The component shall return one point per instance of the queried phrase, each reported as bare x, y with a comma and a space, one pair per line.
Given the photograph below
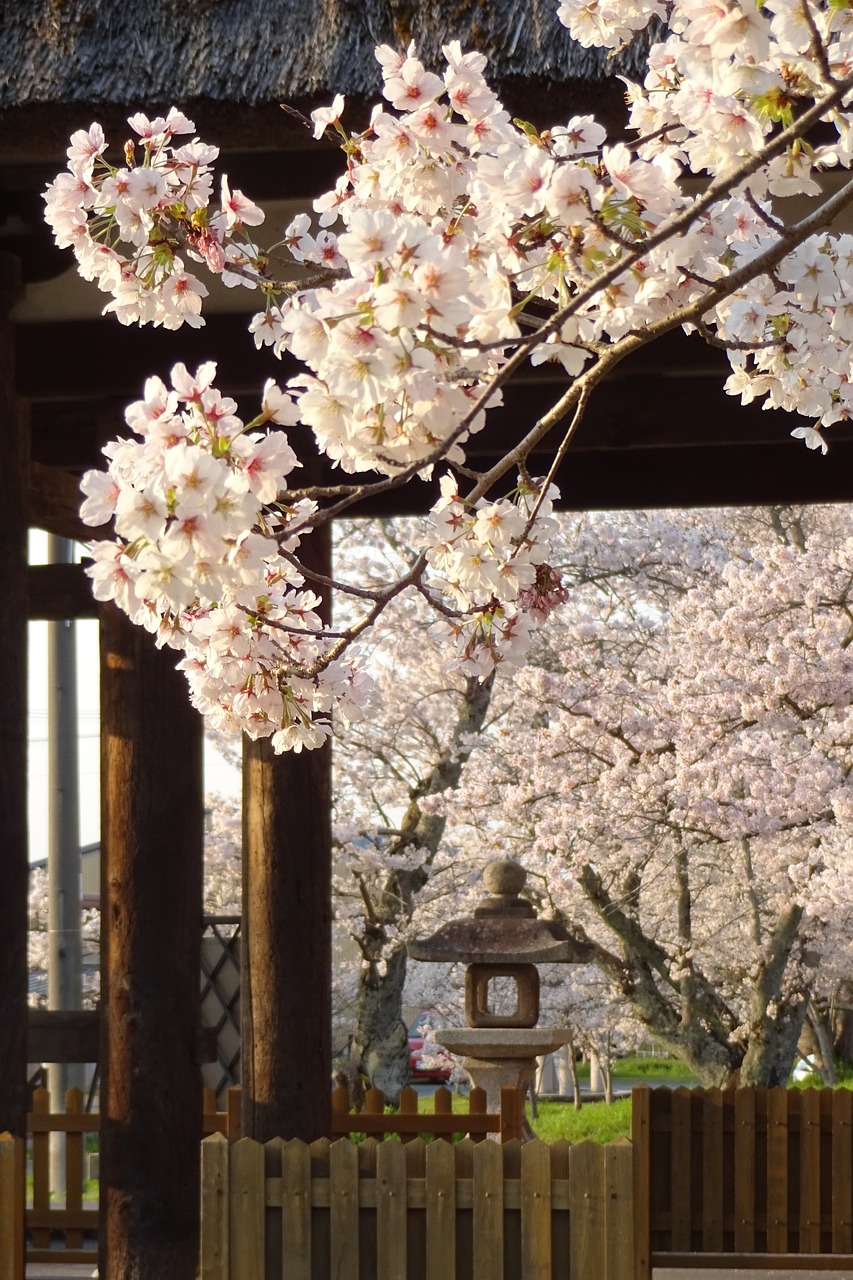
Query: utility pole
64, 970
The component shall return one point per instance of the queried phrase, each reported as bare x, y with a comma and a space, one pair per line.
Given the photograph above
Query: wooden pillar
287, 942
14, 862
151, 886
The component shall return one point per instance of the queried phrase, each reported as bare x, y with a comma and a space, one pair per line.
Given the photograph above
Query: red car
440, 1067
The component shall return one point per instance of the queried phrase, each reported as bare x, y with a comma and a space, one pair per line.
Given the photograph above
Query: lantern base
500, 1059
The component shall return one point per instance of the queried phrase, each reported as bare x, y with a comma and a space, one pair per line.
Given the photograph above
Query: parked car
434, 1067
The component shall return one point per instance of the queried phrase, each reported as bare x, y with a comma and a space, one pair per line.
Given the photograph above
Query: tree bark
286, 979
14, 862
151, 888
380, 1045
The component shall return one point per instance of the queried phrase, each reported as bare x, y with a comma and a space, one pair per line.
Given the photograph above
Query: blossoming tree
678, 771
456, 246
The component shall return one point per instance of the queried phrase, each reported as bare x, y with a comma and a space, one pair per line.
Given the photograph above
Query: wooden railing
743, 1176
44, 1218
407, 1122
416, 1210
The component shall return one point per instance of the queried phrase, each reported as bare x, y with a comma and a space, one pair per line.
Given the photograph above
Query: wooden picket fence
44, 1219
416, 1210
742, 1177
407, 1122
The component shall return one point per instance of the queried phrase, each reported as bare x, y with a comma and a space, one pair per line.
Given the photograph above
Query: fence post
641, 1114
11, 1207
215, 1208
512, 1113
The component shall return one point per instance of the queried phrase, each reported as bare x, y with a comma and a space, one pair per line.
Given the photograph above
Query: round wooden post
14, 863
151, 883
286, 966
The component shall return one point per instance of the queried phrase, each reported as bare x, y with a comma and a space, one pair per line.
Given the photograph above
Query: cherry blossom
456, 246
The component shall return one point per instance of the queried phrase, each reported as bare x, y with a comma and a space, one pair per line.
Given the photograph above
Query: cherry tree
456, 246
678, 772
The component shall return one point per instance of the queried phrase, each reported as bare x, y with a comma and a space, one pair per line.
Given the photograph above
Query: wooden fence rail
45, 1219
416, 1210
743, 1176
407, 1122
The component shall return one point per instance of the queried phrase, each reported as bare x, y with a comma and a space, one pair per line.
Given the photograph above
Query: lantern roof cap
503, 929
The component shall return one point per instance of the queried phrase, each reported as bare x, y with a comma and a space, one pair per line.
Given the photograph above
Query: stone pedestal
499, 1058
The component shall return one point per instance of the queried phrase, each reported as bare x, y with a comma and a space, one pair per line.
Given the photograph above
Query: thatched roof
261, 51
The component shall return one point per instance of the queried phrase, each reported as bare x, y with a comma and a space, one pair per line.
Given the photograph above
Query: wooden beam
14, 864
60, 591
63, 1036
152, 832
286, 976
55, 500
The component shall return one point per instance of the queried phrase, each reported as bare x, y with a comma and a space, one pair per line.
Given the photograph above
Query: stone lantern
503, 939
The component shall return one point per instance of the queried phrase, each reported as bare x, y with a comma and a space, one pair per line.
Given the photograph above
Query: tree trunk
379, 1047
14, 862
286, 980
151, 890
380, 1044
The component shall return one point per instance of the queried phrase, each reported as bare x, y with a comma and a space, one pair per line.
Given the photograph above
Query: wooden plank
512, 1114
619, 1210
416, 1223
374, 1102
214, 1208
408, 1107
680, 1169
11, 1207
296, 1210
586, 1212
74, 1168
63, 1035
842, 1171
536, 1212
442, 1102
210, 1117
488, 1210
413, 1124
777, 1171
744, 1171
152, 856
234, 1113
391, 1211
463, 1156
810, 1171
784, 1267
60, 591
14, 469
440, 1211
343, 1209
712, 1170
41, 1167
477, 1103
55, 500
561, 1152
641, 1107
246, 1214
273, 1179
81, 1257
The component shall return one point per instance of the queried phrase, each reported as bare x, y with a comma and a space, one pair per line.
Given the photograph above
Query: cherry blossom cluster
492, 552
197, 559
459, 244
133, 227
728, 73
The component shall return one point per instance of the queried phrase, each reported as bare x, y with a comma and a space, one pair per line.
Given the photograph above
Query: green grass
595, 1122
649, 1068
